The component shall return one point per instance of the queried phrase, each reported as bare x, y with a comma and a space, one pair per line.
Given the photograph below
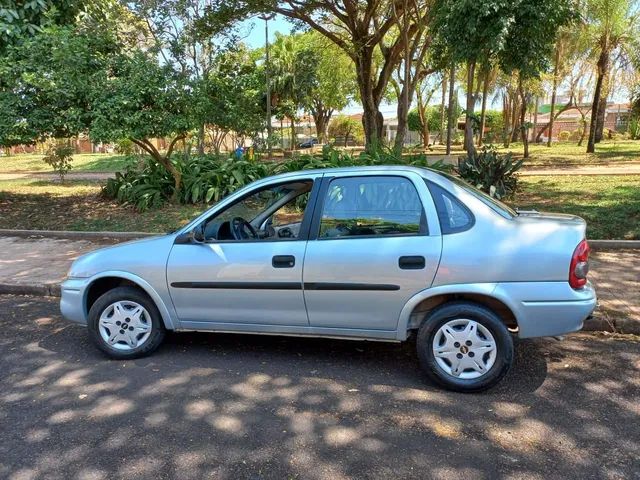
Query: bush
59, 157
210, 178
125, 147
491, 172
634, 128
564, 136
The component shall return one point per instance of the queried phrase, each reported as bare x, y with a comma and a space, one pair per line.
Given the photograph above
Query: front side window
371, 206
271, 213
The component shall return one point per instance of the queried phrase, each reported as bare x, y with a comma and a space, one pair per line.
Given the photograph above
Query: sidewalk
37, 266
619, 169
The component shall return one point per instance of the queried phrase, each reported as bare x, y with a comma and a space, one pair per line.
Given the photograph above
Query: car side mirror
195, 235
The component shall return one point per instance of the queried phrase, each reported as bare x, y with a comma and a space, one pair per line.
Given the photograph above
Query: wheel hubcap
125, 325
464, 349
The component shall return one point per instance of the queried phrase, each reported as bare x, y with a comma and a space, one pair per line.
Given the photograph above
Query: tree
230, 97
332, 83
20, 20
364, 30
471, 31
47, 83
610, 24
529, 45
176, 37
347, 127
139, 99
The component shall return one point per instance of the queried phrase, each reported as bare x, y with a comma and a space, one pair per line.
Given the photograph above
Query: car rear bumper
545, 309
72, 299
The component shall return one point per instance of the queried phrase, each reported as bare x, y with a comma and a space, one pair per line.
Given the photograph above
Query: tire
462, 333
142, 333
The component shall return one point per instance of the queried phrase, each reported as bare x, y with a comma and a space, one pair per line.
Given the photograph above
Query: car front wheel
124, 323
464, 347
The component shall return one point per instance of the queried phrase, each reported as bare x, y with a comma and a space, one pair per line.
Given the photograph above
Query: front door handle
283, 261
411, 262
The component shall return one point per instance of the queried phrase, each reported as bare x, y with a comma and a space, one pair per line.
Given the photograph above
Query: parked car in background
369, 253
308, 143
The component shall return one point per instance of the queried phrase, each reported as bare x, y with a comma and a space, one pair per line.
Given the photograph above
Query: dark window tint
453, 215
360, 206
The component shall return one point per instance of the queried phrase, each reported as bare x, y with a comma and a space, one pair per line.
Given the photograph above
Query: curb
81, 235
35, 289
618, 325
614, 244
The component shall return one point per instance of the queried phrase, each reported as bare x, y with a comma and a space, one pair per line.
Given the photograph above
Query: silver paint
522, 262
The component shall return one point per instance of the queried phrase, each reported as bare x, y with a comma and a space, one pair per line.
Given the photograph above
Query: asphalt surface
227, 406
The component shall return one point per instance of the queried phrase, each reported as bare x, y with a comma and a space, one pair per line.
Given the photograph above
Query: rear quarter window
453, 215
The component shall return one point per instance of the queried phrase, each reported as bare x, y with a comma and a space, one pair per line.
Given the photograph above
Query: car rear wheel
464, 347
124, 323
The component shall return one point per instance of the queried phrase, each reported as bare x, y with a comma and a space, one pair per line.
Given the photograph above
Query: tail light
579, 265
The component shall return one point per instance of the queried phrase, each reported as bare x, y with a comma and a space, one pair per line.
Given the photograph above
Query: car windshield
496, 205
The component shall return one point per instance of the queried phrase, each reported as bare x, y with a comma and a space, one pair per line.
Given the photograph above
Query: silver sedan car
374, 253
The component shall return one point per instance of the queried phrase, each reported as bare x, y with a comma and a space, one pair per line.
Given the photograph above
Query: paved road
225, 406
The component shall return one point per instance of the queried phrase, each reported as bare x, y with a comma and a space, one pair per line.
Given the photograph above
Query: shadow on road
231, 406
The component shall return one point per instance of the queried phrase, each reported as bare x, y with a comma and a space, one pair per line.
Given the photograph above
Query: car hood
134, 257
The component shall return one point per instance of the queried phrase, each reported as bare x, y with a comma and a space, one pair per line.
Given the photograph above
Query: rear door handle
283, 261
411, 262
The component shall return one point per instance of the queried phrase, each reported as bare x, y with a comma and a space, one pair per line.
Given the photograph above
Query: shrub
125, 146
210, 178
634, 128
59, 157
564, 136
491, 172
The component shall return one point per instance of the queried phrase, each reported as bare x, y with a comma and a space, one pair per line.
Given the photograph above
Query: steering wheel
239, 227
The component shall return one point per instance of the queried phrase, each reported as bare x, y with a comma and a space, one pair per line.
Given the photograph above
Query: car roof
422, 171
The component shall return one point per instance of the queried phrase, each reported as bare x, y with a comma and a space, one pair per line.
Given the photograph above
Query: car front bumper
72, 297
545, 309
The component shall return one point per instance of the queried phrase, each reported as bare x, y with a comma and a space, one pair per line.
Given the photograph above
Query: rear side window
453, 215
371, 206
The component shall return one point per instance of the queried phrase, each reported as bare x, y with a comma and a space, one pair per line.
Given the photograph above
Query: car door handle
283, 261
411, 262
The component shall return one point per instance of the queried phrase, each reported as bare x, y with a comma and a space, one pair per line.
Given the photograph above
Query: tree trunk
506, 117
523, 114
321, 117
164, 160
603, 62
468, 126
554, 93
452, 104
483, 111
602, 110
292, 119
398, 144
372, 119
201, 134
549, 124
442, 107
515, 127
584, 128
535, 118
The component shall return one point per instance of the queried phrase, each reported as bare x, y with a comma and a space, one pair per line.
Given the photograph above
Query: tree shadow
232, 406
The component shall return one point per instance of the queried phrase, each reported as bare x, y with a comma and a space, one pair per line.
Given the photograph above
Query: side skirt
291, 331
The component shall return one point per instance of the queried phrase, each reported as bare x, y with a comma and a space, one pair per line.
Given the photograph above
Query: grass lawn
86, 162
568, 153
77, 205
610, 204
